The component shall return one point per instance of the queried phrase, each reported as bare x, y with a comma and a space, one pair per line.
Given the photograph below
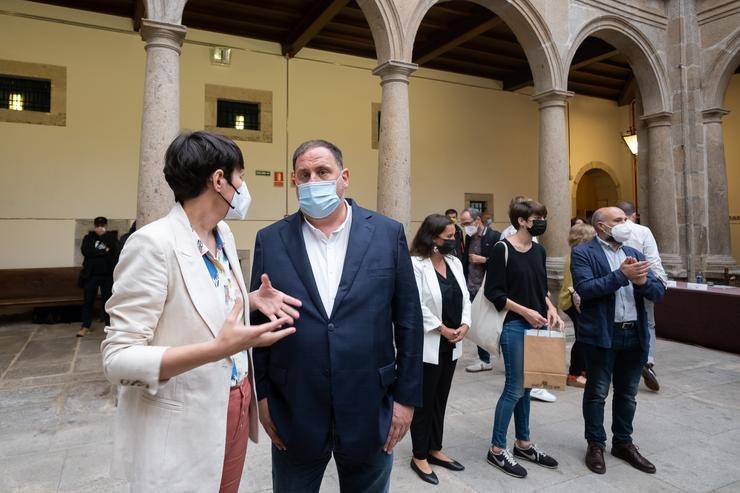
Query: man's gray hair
627, 207
597, 217
474, 213
313, 144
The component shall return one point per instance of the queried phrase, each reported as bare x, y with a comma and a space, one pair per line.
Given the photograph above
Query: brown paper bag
544, 359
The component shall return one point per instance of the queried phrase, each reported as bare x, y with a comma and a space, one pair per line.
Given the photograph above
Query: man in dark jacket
479, 241
99, 247
613, 281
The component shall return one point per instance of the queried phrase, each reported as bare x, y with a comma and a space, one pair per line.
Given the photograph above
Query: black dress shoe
429, 478
452, 465
629, 453
595, 458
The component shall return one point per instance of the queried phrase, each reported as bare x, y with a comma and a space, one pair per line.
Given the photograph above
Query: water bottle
699, 278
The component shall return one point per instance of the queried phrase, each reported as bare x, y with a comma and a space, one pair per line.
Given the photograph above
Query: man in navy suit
346, 383
613, 281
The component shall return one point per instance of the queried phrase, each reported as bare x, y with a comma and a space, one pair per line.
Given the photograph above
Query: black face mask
539, 226
447, 247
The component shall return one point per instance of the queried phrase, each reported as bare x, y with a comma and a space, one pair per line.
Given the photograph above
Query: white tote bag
486, 322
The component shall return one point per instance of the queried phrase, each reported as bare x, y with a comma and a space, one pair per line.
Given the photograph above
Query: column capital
714, 115
395, 71
162, 35
553, 97
661, 119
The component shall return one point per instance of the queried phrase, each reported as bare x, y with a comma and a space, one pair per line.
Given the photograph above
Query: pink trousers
237, 436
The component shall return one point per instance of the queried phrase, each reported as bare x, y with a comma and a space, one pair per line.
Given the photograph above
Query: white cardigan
169, 435
431, 303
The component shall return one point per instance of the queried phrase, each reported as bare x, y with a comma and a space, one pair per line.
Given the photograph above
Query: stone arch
647, 67
592, 165
386, 27
723, 68
528, 26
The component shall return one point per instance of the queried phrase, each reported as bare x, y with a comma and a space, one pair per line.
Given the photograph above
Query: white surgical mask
318, 199
621, 232
240, 203
470, 230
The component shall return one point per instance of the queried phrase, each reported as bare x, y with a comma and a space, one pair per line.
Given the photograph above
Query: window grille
25, 94
240, 115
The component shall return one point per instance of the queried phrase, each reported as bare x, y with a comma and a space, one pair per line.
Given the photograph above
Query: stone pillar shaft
718, 229
553, 174
662, 191
161, 116
394, 145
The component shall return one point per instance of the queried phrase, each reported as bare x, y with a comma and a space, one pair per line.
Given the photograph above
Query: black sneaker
506, 462
650, 378
533, 454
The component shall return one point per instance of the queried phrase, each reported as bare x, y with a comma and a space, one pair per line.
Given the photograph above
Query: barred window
25, 94
240, 115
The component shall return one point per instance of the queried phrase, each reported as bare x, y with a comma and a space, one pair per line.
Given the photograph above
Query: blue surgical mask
318, 199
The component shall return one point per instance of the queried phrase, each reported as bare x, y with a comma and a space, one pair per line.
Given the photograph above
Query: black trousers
427, 426
105, 283
577, 356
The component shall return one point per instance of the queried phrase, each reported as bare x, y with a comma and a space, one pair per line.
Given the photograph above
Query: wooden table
699, 314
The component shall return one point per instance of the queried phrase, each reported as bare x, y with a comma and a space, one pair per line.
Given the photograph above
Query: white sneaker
542, 395
479, 366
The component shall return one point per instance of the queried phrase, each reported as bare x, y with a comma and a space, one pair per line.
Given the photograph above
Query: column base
715, 265
674, 265
555, 267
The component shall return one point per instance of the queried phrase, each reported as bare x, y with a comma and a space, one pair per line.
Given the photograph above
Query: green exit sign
261, 172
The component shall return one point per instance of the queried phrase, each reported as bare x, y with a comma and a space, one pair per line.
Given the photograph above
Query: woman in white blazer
445, 307
179, 337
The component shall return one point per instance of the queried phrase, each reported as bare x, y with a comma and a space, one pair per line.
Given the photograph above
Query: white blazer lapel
430, 278
197, 279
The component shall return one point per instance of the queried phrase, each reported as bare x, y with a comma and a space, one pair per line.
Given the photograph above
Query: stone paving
56, 412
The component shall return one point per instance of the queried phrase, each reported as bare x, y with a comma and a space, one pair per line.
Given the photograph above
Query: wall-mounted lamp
220, 55
630, 138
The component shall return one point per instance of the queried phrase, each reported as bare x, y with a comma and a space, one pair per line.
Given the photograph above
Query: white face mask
470, 230
240, 203
621, 232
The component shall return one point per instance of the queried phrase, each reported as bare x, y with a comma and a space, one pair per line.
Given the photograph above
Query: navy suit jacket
333, 382
597, 284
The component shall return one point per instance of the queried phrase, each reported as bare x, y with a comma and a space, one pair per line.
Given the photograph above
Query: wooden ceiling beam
593, 59
464, 32
310, 25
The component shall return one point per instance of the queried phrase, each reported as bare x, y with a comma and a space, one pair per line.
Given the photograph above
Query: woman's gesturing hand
273, 303
234, 336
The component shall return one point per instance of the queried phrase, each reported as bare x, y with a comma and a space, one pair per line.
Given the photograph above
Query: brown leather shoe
629, 453
595, 458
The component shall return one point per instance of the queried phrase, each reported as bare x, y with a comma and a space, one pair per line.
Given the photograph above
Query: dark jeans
577, 359
427, 427
370, 476
622, 366
484, 355
105, 283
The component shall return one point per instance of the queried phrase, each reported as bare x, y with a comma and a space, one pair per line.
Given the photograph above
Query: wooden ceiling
456, 36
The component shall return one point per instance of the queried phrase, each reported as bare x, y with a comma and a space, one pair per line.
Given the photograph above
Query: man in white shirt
539, 394
642, 240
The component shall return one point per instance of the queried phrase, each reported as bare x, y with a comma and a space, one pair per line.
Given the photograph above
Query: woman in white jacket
179, 336
445, 306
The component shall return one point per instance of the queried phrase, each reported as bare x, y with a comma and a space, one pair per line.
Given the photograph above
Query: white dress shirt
642, 240
625, 309
326, 255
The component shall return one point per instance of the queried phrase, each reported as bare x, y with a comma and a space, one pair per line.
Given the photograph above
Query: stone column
643, 158
662, 192
718, 229
160, 120
553, 177
394, 145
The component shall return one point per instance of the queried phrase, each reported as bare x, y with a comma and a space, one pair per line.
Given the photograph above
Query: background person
519, 284
178, 340
479, 241
100, 252
459, 234
642, 240
445, 307
347, 383
570, 303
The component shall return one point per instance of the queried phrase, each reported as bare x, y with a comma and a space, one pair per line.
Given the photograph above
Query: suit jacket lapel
360, 236
292, 237
197, 279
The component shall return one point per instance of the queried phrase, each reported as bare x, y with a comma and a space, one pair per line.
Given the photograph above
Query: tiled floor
56, 412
